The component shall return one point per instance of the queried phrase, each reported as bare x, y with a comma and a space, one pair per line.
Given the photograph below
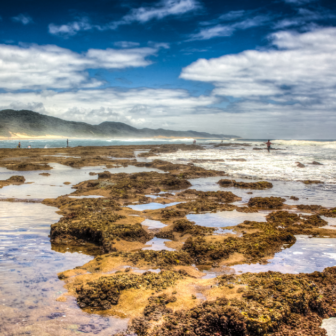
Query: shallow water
330, 326
277, 165
158, 244
52, 186
307, 194
151, 206
305, 256
153, 224
225, 218
29, 285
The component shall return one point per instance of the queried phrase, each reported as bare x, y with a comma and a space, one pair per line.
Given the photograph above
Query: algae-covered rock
159, 258
184, 227
261, 185
95, 221
210, 196
266, 202
105, 292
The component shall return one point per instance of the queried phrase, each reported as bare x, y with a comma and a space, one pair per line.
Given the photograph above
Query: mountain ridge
34, 124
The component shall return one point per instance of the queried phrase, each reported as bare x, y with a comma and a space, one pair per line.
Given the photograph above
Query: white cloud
141, 15
286, 90
161, 10
95, 106
126, 44
23, 18
229, 29
49, 66
71, 28
297, 65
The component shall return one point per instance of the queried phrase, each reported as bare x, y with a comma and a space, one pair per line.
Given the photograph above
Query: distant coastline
29, 125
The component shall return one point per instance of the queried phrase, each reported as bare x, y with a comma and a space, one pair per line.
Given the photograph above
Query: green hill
35, 124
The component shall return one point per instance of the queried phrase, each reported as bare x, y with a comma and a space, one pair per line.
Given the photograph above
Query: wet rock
105, 292
44, 174
159, 258
210, 196
95, 221
312, 207
104, 175
266, 202
311, 181
181, 170
246, 185
294, 198
300, 165
317, 163
184, 227
15, 179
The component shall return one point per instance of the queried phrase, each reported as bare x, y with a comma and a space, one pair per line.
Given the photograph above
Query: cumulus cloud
22, 18
229, 29
49, 66
287, 89
95, 106
161, 10
298, 65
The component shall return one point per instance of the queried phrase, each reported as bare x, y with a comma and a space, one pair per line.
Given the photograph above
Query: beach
163, 237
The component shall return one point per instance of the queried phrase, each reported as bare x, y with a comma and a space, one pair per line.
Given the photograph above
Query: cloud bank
297, 67
45, 67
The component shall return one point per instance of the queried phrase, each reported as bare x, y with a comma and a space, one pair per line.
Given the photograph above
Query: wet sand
139, 243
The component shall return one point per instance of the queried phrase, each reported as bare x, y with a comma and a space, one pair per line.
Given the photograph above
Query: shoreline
179, 287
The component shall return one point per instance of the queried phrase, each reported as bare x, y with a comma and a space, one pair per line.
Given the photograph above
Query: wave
149, 140
326, 144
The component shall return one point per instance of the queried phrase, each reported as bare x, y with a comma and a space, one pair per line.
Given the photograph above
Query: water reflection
158, 244
153, 224
305, 256
29, 285
151, 206
52, 186
308, 194
225, 218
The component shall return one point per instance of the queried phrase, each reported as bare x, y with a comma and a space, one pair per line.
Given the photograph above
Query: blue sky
257, 69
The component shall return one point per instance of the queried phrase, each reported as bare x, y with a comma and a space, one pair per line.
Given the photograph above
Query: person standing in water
268, 143
19, 145
67, 142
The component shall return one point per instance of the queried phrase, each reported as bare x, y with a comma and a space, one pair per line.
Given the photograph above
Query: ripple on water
158, 244
305, 256
151, 206
52, 186
225, 218
29, 285
153, 224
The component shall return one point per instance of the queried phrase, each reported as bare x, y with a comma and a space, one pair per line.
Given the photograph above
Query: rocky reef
164, 292
261, 185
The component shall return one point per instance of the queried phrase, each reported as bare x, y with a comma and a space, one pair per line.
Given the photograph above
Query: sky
256, 69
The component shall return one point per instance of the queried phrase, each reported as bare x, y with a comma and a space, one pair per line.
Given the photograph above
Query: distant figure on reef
194, 142
268, 143
67, 142
19, 145
29, 146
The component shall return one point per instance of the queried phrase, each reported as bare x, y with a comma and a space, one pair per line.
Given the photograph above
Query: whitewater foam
280, 164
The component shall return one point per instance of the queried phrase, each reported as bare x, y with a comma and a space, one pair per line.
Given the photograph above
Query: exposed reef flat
164, 292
